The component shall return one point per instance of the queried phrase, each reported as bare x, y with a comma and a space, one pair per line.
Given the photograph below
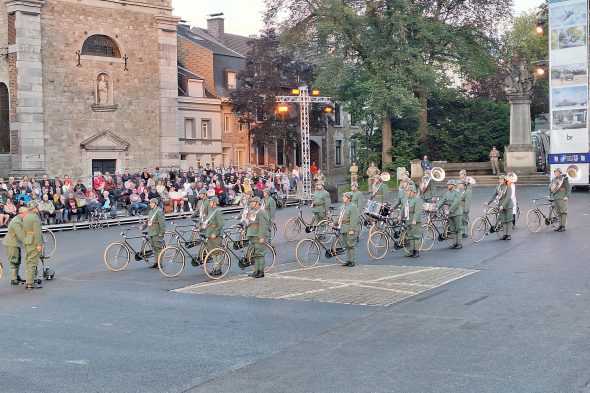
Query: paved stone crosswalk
369, 285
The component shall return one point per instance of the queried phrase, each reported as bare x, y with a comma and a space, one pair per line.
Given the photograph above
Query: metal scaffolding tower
304, 100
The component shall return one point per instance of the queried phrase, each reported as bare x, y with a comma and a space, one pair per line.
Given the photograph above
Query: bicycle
49, 243
395, 232
172, 258
535, 216
294, 225
307, 251
118, 254
436, 228
486, 224
99, 218
239, 248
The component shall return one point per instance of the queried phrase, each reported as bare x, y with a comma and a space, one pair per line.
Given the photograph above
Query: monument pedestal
520, 159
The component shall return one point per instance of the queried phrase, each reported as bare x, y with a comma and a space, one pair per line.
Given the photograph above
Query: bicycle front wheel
147, 254
322, 230
429, 237
217, 264
553, 219
49, 243
533, 220
377, 244
307, 252
339, 249
116, 256
292, 229
404, 241
269, 257
448, 235
170, 239
171, 261
479, 229
273, 230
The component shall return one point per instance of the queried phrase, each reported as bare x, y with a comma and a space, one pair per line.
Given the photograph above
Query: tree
385, 57
271, 70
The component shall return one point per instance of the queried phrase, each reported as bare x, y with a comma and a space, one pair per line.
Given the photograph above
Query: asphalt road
520, 324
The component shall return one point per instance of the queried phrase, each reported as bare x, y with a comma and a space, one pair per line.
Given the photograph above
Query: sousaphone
574, 172
385, 176
437, 174
511, 176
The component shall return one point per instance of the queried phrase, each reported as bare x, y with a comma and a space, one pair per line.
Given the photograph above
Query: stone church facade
87, 85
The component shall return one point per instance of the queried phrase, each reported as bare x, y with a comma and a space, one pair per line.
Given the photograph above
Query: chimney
215, 27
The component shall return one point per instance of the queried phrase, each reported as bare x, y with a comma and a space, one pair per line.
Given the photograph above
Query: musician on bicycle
452, 199
503, 196
270, 205
257, 232
413, 210
202, 208
379, 190
465, 205
348, 224
402, 197
560, 191
357, 196
320, 205
213, 226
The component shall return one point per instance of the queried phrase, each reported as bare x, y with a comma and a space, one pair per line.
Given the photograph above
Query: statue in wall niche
519, 80
103, 90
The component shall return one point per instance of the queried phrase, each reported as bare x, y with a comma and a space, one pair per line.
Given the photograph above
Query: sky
244, 17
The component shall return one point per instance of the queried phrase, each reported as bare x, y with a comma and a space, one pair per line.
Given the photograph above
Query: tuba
385, 176
574, 172
425, 181
437, 173
470, 180
511, 176
556, 183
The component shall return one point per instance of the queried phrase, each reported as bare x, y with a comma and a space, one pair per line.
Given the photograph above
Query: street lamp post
302, 97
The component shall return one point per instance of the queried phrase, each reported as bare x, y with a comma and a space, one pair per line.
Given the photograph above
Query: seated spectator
23, 196
4, 218
107, 204
166, 203
153, 193
79, 187
47, 209
99, 182
3, 186
57, 194
183, 196
220, 193
67, 184
72, 208
109, 185
9, 208
136, 203
60, 210
10, 195
175, 199
82, 204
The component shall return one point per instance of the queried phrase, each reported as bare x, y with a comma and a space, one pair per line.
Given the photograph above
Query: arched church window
4, 120
100, 45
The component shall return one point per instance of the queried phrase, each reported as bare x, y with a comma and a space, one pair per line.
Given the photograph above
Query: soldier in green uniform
270, 205
561, 196
465, 205
213, 226
413, 210
33, 242
402, 196
14, 238
156, 225
503, 195
452, 199
348, 223
201, 210
427, 187
320, 205
257, 232
379, 191
357, 196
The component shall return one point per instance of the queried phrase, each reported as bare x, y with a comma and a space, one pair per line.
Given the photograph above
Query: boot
260, 274
458, 246
504, 237
410, 254
253, 274
416, 254
508, 237
350, 264
453, 246
20, 279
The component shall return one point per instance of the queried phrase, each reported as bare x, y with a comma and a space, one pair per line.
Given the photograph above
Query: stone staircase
538, 179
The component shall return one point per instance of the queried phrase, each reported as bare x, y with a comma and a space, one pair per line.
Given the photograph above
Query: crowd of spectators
64, 200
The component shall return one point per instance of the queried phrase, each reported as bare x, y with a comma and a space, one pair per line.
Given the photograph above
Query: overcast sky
244, 16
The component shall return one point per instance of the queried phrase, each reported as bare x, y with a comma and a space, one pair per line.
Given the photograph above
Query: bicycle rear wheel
217, 264
405, 241
553, 219
377, 244
269, 257
429, 237
533, 220
49, 243
116, 256
171, 261
147, 254
307, 252
448, 235
339, 249
324, 232
479, 229
292, 229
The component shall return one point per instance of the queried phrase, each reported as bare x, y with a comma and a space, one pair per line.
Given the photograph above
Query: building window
226, 124
352, 151
338, 152
337, 115
353, 121
4, 120
100, 45
280, 152
231, 80
206, 129
190, 129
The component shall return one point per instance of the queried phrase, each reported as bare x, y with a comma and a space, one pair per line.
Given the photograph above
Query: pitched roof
237, 43
200, 37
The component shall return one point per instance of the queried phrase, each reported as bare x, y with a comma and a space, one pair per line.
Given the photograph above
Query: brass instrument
556, 183
385, 176
500, 192
470, 180
437, 174
511, 176
574, 172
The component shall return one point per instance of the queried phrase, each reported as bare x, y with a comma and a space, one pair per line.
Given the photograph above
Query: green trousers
32, 259
350, 246
505, 217
455, 227
157, 243
415, 236
258, 253
211, 244
13, 254
561, 210
465, 223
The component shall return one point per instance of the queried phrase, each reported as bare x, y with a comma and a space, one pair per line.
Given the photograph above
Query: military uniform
414, 207
379, 192
320, 205
465, 205
202, 208
503, 194
33, 238
560, 203
213, 228
402, 197
452, 198
429, 192
349, 221
358, 199
15, 236
156, 229
258, 229
270, 206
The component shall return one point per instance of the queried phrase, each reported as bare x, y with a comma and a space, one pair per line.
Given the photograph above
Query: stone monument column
27, 137
519, 156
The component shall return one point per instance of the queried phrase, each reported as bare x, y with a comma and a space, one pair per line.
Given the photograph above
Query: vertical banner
568, 87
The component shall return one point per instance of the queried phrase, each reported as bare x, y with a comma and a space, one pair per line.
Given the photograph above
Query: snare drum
429, 207
377, 210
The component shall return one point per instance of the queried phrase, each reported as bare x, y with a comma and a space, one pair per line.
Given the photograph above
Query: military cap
255, 199
462, 172
214, 199
408, 180
558, 170
266, 190
354, 184
347, 194
461, 181
320, 183
452, 181
376, 177
202, 191
503, 177
154, 200
249, 192
411, 187
32, 205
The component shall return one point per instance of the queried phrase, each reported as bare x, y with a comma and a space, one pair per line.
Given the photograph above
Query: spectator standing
495, 160
425, 164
